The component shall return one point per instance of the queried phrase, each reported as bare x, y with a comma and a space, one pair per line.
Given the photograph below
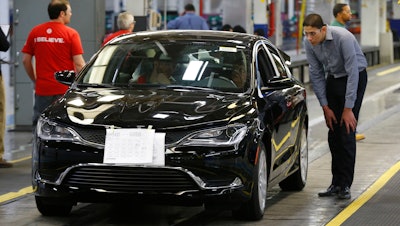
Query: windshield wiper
96, 85
189, 88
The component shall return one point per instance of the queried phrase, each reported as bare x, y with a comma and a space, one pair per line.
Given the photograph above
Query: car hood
160, 108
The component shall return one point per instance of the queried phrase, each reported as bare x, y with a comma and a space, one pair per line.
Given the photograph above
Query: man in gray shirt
339, 79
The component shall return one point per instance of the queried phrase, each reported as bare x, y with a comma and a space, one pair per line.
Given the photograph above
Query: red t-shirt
115, 34
53, 45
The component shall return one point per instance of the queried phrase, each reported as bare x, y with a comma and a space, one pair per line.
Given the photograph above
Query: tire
254, 209
53, 206
297, 181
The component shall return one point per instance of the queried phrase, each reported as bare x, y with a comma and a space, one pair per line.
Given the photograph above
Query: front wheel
53, 206
254, 209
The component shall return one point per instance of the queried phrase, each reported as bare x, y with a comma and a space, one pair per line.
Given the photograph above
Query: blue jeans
41, 103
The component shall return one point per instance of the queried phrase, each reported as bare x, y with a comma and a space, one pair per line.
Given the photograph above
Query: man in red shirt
125, 22
55, 47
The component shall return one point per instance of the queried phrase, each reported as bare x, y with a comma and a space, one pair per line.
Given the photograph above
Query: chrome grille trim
183, 181
129, 179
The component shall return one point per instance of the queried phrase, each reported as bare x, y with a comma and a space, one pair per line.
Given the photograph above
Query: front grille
97, 136
130, 179
175, 136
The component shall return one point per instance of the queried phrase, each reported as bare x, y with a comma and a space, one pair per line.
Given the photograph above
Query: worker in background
43, 56
189, 20
342, 14
238, 28
226, 27
125, 22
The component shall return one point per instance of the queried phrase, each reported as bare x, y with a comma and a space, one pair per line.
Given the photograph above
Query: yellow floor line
20, 160
385, 72
367, 195
12, 195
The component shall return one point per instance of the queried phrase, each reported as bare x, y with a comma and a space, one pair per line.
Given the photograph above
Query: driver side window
264, 66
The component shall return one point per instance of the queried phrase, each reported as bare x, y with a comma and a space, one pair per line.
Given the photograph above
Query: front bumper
139, 180
78, 172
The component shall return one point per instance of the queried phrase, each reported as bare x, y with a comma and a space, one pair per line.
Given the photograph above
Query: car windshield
217, 65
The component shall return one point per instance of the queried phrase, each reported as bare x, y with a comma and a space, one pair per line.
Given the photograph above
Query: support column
278, 23
260, 16
137, 8
207, 7
370, 23
386, 54
238, 12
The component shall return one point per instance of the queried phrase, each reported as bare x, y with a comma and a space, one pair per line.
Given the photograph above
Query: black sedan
189, 117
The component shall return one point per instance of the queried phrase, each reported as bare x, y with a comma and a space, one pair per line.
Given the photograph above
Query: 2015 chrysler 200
193, 117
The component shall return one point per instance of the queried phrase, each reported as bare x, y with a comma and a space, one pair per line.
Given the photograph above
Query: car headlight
221, 136
50, 130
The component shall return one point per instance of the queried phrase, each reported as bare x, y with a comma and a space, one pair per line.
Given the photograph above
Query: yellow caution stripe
385, 72
363, 198
12, 195
20, 160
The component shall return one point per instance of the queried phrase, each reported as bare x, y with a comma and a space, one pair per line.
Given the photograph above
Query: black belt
332, 76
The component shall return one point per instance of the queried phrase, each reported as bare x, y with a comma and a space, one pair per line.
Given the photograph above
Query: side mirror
65, 77
278, 83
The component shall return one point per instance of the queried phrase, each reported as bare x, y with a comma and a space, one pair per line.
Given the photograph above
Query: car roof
194, 35
244, 39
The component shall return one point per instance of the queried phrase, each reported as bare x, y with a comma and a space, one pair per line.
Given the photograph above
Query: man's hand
349, 120
330, 118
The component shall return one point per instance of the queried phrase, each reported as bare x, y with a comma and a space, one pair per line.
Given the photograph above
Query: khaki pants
2, 115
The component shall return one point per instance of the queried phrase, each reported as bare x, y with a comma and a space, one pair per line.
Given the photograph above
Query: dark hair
313, 20
189, 7
226, 27
239, 29
259, 32
56, 7
338, 8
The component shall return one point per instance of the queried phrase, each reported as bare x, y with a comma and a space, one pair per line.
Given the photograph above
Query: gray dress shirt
338, 55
